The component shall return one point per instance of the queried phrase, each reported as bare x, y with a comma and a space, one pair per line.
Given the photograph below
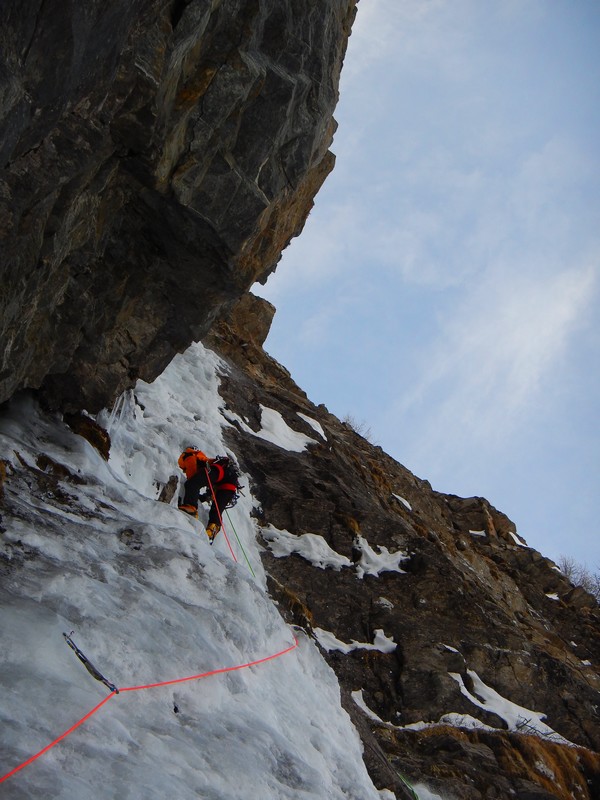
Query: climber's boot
212, 529
191, 510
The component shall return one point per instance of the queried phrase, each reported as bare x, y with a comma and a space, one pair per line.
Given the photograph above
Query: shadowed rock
157, 158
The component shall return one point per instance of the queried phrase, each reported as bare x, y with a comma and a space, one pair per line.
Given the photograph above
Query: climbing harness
232, 525
114, 692
216, 505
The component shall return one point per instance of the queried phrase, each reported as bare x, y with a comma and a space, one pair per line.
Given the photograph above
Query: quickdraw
95, 673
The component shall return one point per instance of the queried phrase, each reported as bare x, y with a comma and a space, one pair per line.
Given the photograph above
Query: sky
444, 292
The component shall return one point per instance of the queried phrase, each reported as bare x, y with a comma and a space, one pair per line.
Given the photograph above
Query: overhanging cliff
157, 158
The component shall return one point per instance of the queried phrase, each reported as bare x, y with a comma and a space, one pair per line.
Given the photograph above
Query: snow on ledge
329, 642
372, 563
314, 424
402, 500
310, 546
453, 719
274, 429
516, 717
314, 548
360, 702
517, 541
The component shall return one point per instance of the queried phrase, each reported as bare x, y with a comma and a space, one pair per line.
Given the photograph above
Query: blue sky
445, 288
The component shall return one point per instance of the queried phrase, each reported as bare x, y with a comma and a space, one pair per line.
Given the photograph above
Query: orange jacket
190, 461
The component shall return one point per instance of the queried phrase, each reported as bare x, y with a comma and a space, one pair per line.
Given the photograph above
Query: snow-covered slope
86, 547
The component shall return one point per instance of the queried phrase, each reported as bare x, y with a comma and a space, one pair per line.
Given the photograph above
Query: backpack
231, 473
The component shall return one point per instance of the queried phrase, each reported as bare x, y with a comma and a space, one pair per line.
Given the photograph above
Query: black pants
223, 497
192, 489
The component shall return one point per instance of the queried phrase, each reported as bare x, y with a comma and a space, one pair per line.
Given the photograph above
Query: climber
218, 476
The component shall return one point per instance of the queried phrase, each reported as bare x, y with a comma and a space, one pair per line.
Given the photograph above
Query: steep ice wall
85, 547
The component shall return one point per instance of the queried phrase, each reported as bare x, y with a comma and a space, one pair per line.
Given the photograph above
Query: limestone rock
251, 318
157, 158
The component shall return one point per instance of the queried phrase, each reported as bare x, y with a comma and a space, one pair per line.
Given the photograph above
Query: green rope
240, 544
409, 786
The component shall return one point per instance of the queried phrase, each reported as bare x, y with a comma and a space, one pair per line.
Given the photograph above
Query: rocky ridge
471, 603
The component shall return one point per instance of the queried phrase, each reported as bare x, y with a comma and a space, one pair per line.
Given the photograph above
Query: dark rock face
472, 604
157, 158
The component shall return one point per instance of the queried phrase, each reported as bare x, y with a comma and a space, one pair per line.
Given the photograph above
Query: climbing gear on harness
216, 506
88, 664
224, 474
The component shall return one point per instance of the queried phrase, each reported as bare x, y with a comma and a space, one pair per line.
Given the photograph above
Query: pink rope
214, 497
137, 689
57, 740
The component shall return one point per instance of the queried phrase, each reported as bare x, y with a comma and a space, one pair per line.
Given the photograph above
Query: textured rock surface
157, 157
472, 598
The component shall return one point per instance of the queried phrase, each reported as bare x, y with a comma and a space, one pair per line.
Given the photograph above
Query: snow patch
553, 596
453, 719
372, 563
310, 546
314, 548
544, 769
402, 500
329, 641
516, 540
478, 533
516, 717
314, 424
276, 430
360, 702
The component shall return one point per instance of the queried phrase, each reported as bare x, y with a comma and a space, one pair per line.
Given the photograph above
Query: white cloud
319, 256
495, 355
406, 29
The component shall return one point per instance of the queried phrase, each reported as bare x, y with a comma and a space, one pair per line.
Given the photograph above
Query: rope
240, 544
57, 740
137, 689
214, 497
